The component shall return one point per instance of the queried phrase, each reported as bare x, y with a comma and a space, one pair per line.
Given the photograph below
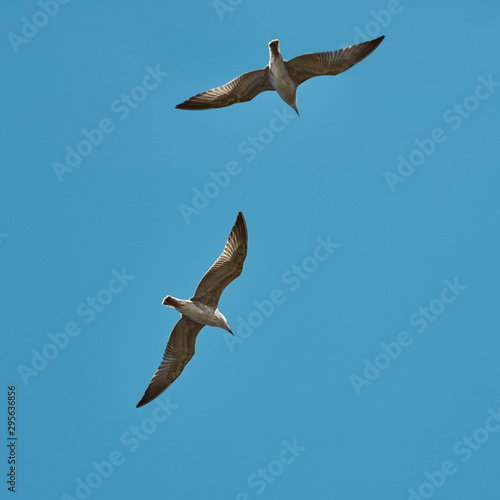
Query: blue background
296, 375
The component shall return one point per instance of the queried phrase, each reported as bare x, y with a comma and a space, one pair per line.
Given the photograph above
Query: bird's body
279, 77
198, 311
282, 76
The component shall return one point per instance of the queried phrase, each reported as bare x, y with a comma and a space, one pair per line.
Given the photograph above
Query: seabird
282, 76
199, 310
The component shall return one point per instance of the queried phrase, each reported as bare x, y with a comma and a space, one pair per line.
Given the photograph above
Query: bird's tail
170, 301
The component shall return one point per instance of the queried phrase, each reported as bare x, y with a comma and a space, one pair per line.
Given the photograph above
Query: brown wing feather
226, 268
307, 66
179, 350
241, 89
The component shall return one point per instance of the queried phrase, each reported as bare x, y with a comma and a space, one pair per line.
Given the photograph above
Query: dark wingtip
145, 400
241, 226
184, 105
192, 106
241, 219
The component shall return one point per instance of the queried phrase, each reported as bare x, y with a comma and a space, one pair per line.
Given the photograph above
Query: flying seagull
199, 310
282, 76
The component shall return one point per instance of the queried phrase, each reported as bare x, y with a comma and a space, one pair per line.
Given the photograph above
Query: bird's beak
229, 330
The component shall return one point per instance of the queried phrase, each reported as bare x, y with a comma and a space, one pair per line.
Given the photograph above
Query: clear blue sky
374, 373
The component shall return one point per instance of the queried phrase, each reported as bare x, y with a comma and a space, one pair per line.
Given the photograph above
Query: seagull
282, 76
199, 310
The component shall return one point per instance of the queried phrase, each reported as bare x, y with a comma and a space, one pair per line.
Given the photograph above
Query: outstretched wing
241, 89
307, 66
180, 349
226, 268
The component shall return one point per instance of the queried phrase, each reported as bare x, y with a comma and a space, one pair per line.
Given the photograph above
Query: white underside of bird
280, 79
196, 311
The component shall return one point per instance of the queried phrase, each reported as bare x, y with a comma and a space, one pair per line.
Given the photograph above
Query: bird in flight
199, 310
282, 76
